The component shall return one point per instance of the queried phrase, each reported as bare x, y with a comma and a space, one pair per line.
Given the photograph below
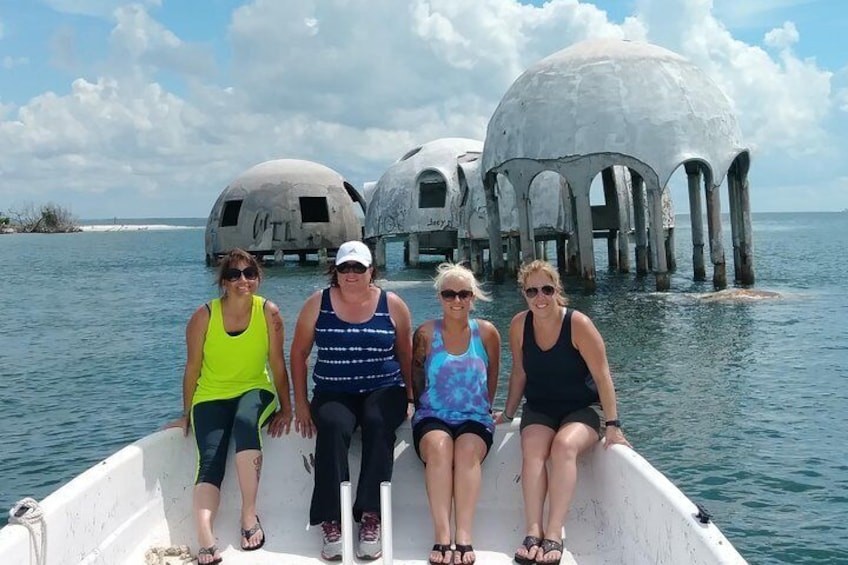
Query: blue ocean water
739, 403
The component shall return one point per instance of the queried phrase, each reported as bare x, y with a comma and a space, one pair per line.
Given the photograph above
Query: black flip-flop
442, 548
550, 545
247, 534
529, 543
211, 550
463, 549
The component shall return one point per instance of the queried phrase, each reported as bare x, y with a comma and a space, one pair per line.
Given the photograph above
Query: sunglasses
532, 291
345, 268
453, 294
250, 273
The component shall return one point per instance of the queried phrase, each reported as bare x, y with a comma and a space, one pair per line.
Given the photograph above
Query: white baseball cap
353, 251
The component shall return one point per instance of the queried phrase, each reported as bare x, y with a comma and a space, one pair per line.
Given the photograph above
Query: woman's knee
470, 449
564, 449
437, 449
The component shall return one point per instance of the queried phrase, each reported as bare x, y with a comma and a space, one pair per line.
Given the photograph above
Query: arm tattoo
420, 343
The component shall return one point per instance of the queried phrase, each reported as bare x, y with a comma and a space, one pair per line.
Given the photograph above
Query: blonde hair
448, 270
539, 266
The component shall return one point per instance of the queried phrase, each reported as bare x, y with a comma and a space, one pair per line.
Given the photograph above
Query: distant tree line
46, 218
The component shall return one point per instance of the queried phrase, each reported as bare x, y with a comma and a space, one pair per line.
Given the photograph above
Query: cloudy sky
149, 109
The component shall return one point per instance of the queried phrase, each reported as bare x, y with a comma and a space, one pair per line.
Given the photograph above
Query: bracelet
506, 418
410, 401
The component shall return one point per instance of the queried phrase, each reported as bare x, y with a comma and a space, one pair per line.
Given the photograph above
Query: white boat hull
624, 511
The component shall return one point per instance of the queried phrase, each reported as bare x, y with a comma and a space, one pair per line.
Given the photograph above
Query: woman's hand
498, 418
182, 422
281, 422
614, 435
303, 420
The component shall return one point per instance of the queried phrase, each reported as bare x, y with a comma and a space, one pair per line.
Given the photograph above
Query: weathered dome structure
551, 222
285, 207
417, 199
605, 103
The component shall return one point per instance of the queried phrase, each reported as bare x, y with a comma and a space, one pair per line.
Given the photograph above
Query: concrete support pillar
657, 238
670, 259
714, 228
380, 252
612, 249
414, 255
323, 256
583, 221
513, 254
541, 251
639, 223
562, 266
623, 227
740, 225
477, 257
463, 250
301, 257
572, 260
693, 175
525, 218
611, 203
490, 187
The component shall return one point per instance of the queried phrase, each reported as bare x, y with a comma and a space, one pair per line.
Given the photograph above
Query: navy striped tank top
355, 358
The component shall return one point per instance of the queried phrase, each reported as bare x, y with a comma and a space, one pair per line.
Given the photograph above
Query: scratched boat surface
624, 511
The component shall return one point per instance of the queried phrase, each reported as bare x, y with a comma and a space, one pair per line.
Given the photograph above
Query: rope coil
27, 513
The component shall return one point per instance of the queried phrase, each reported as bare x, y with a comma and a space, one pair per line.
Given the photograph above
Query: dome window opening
432, 190
313, 209
230, 215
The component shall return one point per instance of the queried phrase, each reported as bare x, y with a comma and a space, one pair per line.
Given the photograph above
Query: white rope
29, 514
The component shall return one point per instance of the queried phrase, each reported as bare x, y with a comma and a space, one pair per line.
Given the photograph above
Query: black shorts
467, 427
592, 416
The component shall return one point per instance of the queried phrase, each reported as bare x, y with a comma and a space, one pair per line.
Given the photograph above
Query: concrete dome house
417, 199
550, 222
605, 103
285, 207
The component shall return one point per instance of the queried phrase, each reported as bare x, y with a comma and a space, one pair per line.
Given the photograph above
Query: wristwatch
616, 423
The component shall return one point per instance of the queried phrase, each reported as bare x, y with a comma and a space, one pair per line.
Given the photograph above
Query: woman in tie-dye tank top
454, 377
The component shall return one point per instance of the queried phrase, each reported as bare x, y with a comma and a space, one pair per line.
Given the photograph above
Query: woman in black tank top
559, 365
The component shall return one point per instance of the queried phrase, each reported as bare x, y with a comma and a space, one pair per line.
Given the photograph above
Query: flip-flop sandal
529, 543
211, 550
247, 534
463, 549
442, 548
547, 546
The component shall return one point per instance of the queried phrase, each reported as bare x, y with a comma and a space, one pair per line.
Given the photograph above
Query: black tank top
557, 379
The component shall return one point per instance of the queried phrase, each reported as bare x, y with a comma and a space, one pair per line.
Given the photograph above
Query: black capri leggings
214, 421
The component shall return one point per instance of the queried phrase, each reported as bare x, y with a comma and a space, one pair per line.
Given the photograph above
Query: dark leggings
214, 421
336, 416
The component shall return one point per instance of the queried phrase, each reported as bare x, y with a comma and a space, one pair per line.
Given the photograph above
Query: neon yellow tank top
233, 365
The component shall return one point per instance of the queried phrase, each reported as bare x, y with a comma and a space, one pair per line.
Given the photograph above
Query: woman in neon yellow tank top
227, 392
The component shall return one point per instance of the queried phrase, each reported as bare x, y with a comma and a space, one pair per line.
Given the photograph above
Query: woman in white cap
362, 378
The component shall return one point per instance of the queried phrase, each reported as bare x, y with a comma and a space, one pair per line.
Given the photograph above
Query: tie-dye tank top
456, 389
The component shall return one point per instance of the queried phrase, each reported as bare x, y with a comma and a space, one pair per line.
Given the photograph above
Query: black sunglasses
532, 291
357, 268
250, 273
452, 294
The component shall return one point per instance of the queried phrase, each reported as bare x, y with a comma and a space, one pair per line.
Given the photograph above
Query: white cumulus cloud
163, 124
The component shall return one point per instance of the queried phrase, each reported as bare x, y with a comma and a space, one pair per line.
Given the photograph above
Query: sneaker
332, 535
370, 541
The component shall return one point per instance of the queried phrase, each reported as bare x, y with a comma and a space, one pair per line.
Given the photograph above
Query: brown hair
539, 266
234, 257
